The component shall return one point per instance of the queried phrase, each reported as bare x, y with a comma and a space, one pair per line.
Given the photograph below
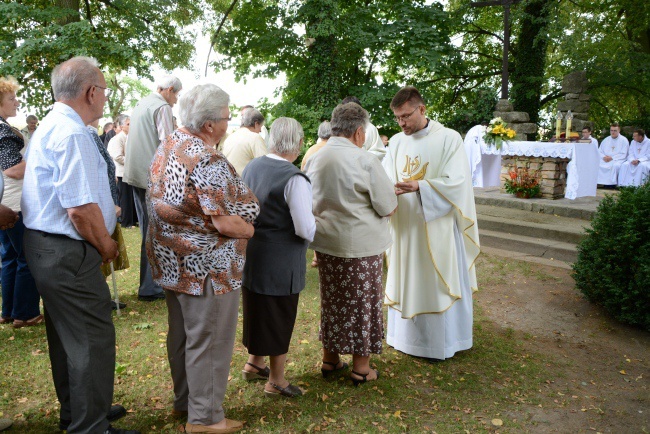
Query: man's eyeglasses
406, 117
107, 90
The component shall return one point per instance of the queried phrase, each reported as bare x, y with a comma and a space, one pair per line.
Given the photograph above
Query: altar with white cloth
581, 171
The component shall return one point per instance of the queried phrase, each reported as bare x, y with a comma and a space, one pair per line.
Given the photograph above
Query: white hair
251, 117
325, 130
72, 77
121, 120
285, 136
169, 81
200, 104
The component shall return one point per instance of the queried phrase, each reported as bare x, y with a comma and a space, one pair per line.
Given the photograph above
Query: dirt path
602, 368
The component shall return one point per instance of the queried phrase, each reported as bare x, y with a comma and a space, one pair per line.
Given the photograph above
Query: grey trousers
79, 327
147, 285
199, 347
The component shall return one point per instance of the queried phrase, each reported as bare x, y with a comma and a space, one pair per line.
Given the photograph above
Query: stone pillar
574, 86
518, 121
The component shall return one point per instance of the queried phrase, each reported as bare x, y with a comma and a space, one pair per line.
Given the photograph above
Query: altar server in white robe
431, 273
586, 135
473, 141
635, 170
613, 152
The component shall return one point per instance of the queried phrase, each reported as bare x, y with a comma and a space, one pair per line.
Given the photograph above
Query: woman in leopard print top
201, 216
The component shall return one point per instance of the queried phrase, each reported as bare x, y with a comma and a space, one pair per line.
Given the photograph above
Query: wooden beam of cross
506, 37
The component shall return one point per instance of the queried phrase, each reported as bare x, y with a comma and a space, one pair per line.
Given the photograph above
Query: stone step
536, 225
581, 208
529, 246
524, 257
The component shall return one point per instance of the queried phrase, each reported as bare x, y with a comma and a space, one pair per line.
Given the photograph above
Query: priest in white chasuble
431, 272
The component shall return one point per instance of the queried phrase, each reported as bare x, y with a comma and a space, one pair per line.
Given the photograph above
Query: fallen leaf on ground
497, 422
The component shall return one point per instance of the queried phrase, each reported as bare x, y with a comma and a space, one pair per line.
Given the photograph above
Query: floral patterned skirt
351, 304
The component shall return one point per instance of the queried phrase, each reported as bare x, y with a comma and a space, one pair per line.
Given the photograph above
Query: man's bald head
73, 77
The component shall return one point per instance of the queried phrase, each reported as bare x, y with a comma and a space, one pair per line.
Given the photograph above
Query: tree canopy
330, 49
36, 35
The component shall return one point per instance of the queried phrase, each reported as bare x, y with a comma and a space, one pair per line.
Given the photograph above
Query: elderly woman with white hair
352, 195
201, 216
274, 273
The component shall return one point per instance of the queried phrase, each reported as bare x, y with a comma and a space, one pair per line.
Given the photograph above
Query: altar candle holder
558, 125
569, 118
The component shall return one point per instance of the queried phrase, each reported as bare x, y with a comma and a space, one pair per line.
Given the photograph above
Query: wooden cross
506, 37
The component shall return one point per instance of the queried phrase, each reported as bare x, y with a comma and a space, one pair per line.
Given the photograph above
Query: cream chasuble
435, 244
424, 274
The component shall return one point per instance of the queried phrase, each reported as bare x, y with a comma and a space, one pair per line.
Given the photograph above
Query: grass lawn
471, 392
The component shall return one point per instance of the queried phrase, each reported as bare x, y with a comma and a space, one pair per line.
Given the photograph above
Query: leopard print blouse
189, 182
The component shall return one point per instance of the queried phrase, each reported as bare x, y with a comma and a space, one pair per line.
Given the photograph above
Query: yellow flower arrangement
497, 133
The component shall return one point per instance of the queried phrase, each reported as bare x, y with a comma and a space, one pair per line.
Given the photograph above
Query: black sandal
363, 376
328, 372
290, 391
261, 374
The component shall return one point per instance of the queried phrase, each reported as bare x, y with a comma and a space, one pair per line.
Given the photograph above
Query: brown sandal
327, 372
30, 322
290, 391
261, 374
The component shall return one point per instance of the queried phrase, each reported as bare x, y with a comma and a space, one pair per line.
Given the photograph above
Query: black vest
275, 256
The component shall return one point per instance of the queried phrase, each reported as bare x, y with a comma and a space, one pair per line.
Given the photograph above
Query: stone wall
576, 99
553, 170
518, 121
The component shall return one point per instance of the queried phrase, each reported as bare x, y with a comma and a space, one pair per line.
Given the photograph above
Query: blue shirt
64, 170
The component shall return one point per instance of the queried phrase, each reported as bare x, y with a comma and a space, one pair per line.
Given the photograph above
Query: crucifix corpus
506, 37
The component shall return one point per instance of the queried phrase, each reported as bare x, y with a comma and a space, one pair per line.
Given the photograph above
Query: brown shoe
178, 414
30, 322
231, 426
6, 320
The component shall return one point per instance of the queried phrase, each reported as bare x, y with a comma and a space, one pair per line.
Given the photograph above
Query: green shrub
613, 266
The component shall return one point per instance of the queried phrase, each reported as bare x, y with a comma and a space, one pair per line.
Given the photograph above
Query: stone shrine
518, 121
574, 86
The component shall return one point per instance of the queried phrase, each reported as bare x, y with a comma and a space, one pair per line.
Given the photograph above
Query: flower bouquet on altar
523, 182
497, 133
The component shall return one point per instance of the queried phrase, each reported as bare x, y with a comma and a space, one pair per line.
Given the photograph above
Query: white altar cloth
582, 170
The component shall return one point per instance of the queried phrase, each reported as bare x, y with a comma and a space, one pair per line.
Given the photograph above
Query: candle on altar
569, 117
558, 125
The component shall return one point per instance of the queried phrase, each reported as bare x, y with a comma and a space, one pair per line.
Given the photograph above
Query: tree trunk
530, 58
73, 6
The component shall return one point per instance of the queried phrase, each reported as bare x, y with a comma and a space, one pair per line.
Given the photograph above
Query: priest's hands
607, 158
406, 187
635, 162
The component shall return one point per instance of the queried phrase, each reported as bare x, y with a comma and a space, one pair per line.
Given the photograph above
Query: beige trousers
199, 347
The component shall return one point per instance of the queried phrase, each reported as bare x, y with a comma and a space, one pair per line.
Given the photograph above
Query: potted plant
523, 182
497, 132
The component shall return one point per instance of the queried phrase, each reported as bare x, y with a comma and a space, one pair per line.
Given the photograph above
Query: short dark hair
351, 98
640, 132
587, 127
406, 94
614, 124
107, 125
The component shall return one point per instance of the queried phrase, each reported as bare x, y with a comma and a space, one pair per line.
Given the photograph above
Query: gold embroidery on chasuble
413, 170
